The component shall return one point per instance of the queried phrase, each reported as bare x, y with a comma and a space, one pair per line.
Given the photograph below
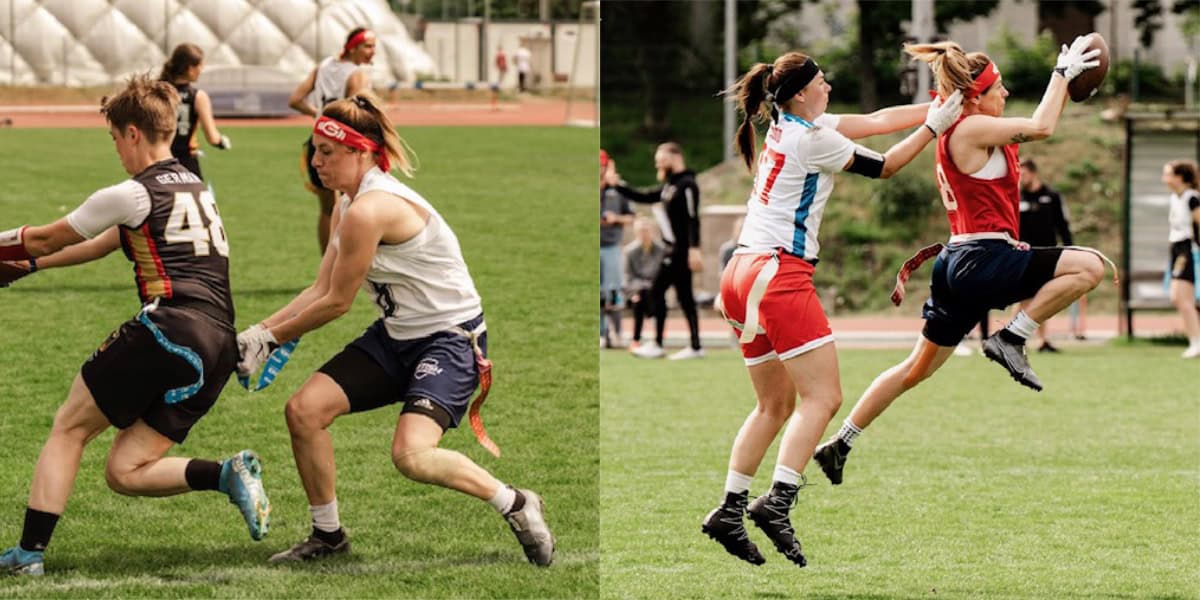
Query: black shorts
130, 373
971, 278
434, 375
314, 181
1183, 262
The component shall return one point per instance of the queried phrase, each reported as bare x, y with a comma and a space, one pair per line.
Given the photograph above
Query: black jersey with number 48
180, 252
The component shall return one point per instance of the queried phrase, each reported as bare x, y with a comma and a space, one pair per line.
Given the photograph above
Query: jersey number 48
186, 224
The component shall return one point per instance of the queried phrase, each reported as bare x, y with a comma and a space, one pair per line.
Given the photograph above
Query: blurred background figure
1043, 224
643, 260
615, 213
182, 70
1184, 219
522, 57
501, 65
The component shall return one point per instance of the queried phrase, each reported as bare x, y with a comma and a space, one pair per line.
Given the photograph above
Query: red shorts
791, 320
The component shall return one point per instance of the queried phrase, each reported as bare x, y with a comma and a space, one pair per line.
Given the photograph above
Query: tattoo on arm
1020, 138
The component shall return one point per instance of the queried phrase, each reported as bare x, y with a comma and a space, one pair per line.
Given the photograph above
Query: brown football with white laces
1085, 84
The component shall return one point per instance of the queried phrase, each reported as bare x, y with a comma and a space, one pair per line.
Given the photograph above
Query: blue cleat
241, 480
19, 561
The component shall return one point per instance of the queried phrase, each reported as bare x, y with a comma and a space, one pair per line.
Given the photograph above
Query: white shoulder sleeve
828, 120
127, 203
829, 150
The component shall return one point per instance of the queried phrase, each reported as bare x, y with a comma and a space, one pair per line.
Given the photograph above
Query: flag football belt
928, 252
484, 366
758, 289
275, 362
179, 394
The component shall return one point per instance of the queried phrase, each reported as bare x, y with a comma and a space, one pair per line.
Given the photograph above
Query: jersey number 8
186, 225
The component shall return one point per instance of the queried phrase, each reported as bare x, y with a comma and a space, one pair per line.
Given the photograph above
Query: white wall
458, 59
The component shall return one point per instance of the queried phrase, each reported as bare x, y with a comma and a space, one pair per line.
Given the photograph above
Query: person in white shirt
767, 291
1180, 177
333, 79
522, 57
427, 349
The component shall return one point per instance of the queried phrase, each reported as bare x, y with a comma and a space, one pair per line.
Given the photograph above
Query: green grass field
969, 487
522, 203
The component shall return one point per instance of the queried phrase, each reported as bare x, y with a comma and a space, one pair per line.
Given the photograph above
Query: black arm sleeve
650, 197
1060, 221
867, 163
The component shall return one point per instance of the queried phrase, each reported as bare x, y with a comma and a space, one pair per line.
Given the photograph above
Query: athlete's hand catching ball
943, 113
1077, 58
254, 346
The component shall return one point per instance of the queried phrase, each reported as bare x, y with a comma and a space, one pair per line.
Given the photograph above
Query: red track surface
526, 111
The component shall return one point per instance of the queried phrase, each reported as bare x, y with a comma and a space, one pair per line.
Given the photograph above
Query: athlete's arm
207, 123
318, 287
357, 82
126, 203
650, 197
359, 234
298, 101
886, 120
95, 248
983, 131
1194, 205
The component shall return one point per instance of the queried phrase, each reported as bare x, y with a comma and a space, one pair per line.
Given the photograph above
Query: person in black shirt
1043, 223
677, 210
182, 70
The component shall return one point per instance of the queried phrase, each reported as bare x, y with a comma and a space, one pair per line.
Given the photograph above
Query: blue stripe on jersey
793, 118
800, 234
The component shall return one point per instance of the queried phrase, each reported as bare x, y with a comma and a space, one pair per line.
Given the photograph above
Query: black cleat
831, 456
1012, 357
770, 514
1046, 347
312, 548
724, 525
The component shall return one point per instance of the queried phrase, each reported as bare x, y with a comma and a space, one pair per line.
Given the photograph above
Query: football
1085, 84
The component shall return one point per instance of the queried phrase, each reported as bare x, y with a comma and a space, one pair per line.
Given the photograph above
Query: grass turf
521, 202
968, 487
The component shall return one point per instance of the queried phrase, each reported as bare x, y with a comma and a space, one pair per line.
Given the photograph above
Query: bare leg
77, 422
136, 466
1183, 296
309, 413
1078, 272
776, 400
893, 382
815, 375
417, 457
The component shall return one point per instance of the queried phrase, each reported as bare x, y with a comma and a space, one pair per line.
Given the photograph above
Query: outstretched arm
886, 120
298, 102
95, 248
650, 197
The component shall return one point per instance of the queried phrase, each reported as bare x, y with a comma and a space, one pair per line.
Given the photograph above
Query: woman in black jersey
181, 71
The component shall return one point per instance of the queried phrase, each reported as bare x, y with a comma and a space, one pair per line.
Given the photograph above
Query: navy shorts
1183, 264
434, 375
971, 278
130, 373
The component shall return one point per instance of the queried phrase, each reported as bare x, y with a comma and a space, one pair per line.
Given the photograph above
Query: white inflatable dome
97, 42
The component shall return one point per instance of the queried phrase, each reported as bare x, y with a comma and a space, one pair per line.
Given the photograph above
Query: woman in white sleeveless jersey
1180, 177
427, 349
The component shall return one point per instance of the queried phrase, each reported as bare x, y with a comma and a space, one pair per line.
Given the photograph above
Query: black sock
518, 502
332, 538
1011, 337
39, 526
203, 474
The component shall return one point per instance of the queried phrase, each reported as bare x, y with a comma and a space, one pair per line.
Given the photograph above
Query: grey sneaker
529, 525
1012, 357
311, 549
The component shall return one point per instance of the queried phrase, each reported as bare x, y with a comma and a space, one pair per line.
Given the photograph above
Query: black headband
794, 81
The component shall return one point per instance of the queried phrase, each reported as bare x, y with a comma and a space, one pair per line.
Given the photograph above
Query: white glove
1076, 59
226, 143
943, 113
254, 346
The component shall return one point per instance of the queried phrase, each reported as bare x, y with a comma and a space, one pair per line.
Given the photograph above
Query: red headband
986, 78
347, 136
358, 38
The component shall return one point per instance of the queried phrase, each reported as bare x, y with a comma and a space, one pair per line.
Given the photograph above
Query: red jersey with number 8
975, 205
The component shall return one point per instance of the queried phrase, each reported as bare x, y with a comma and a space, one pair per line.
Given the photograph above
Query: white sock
1022, 326
503, 500
786, 475
1194, 342
325, 517
736, 483
848, 432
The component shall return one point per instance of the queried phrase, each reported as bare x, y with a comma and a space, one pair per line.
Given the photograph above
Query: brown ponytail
752, 92
362, 113
184, 57
953, 68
